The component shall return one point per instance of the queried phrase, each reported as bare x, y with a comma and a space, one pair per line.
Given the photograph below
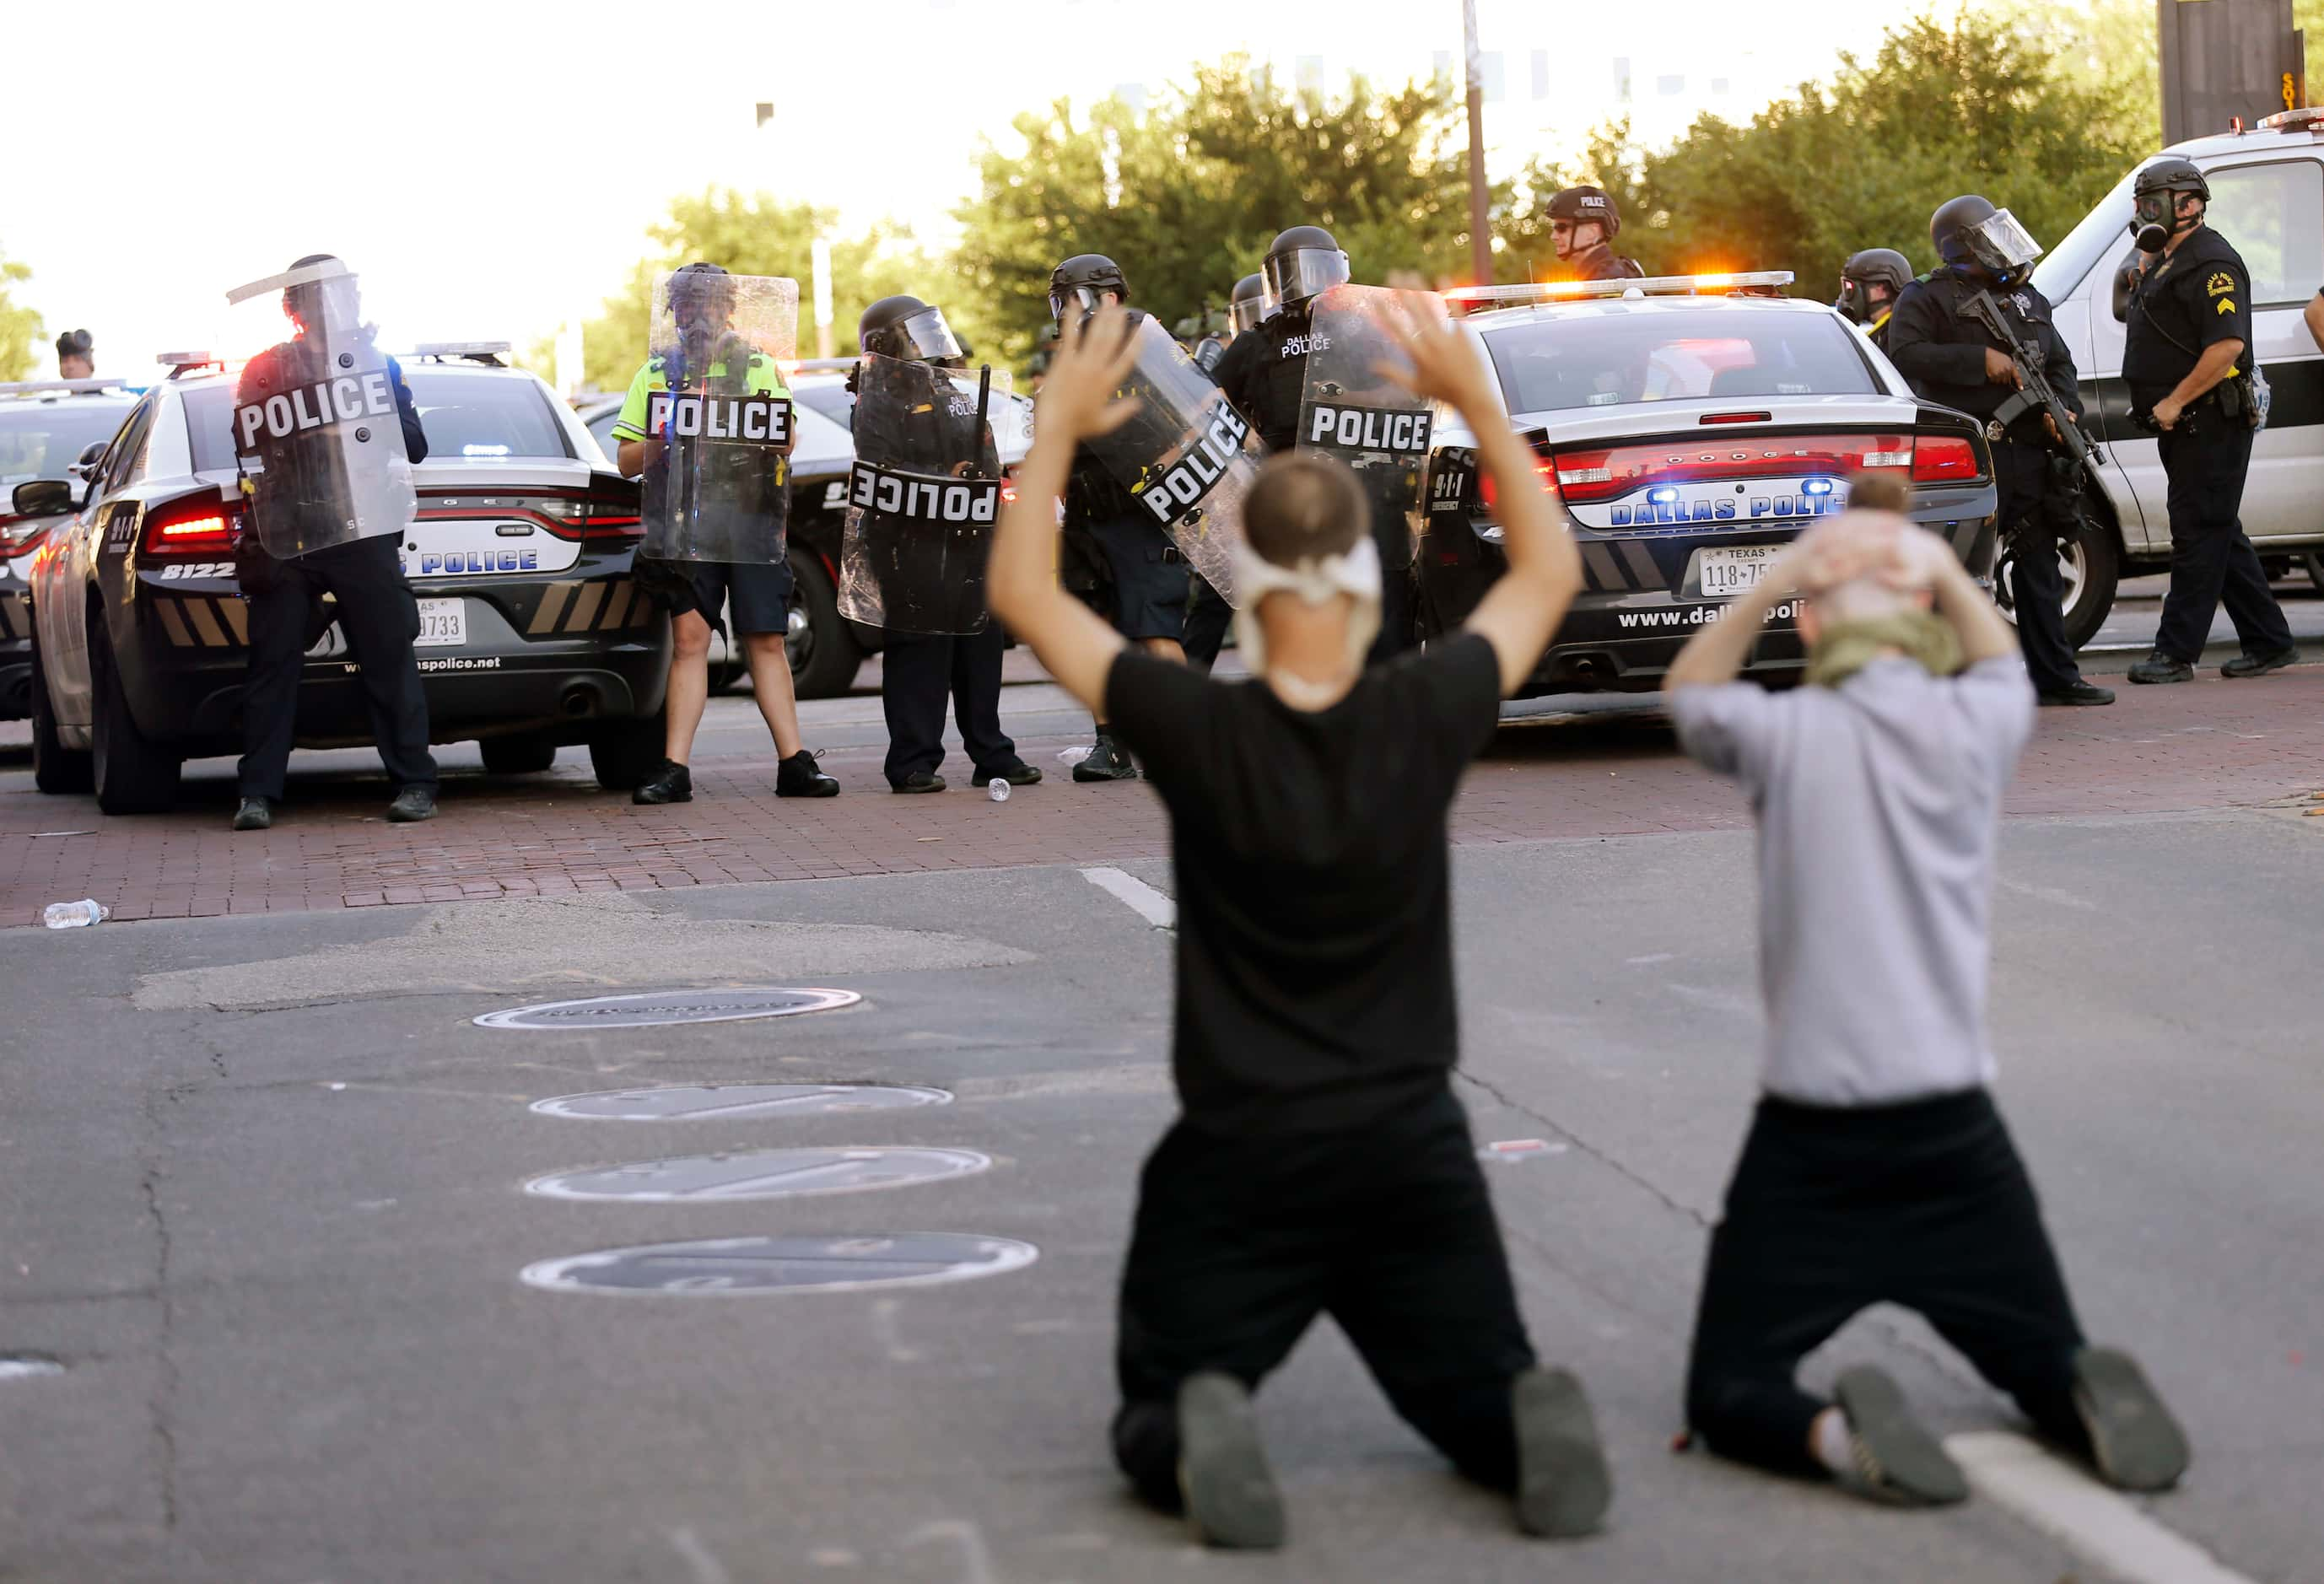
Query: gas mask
1316, 580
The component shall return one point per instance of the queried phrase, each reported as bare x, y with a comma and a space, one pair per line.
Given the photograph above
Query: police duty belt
941, 501
1397, 430
342, 399
754, 419
1184, 482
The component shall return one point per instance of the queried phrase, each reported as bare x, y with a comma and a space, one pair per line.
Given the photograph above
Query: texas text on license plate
442, 623
1734, 570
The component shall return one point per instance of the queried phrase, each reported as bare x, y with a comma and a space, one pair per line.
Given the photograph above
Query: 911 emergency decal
742, 420
923, 498
1184, 482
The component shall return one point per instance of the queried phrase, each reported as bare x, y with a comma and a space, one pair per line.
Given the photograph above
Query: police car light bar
2291, 121
1750, 281
822, 366
182, 363
460, 349
74, 387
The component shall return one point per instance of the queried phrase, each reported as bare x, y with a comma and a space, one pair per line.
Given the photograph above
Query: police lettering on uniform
1951, 355
325, 432
1583, 222
2186, 360
924, 494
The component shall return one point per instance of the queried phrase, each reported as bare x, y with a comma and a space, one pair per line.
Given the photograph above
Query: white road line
2100, 1525
706, 1568
1147, 903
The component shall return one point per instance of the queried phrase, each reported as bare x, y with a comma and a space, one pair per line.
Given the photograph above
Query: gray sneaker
413, 804
1897, 1460
1230, 1496
1563, 1486
254, 815
2136, 1443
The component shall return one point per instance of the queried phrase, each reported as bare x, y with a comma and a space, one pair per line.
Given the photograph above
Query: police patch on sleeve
2220, 284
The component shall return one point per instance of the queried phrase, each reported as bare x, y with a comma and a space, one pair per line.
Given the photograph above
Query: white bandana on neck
1316, 580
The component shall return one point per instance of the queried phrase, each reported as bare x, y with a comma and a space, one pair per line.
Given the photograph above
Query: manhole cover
763, 1174
21, 1366
658, 1008
714, 1102
719, 1266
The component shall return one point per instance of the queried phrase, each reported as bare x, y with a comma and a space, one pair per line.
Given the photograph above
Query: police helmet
1250, 303
2155, 195
1586, 206
1874, 266
1303, 262
698, 287
75, 343
1081, 280
2171, 173
302, 300
907, 329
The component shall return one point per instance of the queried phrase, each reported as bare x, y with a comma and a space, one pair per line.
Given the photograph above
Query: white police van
2267, 199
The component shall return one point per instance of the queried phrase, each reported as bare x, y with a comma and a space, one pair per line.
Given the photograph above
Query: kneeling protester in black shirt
1322, 1162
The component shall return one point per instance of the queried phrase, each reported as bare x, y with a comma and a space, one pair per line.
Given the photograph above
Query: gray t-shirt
1878, 804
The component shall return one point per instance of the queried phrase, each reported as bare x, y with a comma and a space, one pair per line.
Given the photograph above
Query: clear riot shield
1362, 417
317, 436
718, 417
1186, 455
923, 494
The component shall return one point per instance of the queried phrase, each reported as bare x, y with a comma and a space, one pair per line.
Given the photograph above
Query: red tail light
1610, 474
1940, 459
202, 525
568, 514
11, 546
1490, 491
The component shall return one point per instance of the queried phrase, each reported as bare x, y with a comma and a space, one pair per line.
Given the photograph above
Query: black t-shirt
1315, 903
2188, 299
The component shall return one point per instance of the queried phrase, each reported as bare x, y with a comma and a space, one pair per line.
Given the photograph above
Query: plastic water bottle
75, 914
998, 790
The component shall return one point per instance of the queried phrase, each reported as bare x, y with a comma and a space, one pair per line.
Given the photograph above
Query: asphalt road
265, 1205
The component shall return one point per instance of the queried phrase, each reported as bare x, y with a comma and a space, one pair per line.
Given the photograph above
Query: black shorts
1149, 578
757, 594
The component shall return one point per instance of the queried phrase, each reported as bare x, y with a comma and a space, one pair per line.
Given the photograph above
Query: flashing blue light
1663, 496
484, 450
1816, 486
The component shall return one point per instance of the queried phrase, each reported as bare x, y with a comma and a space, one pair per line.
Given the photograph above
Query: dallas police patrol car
49, 430
533, 632
2267, 199
1692, 425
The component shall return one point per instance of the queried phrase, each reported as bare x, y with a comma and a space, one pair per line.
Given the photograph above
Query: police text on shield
946, 502
1368, 428
1184, 482
343, 400
741, 420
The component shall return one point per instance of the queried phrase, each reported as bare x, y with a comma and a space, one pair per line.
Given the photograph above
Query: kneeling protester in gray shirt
1878, 1168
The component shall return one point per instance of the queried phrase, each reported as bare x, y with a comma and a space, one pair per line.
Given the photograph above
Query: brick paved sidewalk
2205, 745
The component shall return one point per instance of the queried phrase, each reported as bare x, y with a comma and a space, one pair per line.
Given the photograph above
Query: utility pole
1481, 242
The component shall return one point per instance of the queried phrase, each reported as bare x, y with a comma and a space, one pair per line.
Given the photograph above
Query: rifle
2035, 393
984, 405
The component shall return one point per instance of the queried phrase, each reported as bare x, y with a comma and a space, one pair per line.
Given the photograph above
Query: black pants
376, 611
1240, 1243
2032, 517
2210, 555
1924, 1205
1208, 616
917, 672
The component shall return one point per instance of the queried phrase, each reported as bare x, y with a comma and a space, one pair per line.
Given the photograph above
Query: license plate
1733, 571
443, 623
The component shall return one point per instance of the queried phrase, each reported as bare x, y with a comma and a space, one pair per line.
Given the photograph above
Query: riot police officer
1870, 282
1952, 357
1149, 574
1583, 222
1249, 306
919, 421
1265, 374
375, 609
1208, 615
75, 356
2187, 363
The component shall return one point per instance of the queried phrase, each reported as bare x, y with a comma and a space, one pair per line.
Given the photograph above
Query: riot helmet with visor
1304, 261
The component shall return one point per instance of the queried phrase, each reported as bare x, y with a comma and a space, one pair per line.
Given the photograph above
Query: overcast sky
491, 167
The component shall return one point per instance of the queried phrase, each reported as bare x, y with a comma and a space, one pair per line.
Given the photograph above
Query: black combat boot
797, 777
673, 783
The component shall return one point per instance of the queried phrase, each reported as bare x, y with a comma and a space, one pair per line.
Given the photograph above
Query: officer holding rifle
1977, 337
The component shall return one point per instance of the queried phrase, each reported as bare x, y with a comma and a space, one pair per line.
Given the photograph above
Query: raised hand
1444, 365
1092, 358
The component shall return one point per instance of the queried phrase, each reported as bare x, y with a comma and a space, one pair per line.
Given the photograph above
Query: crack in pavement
1586, 1148
163, 1401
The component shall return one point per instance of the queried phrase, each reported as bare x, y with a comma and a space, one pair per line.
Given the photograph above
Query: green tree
758, 234
1187, 196
20, 326
1991, 103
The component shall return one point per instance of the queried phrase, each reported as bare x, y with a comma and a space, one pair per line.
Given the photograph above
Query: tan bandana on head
1847, 647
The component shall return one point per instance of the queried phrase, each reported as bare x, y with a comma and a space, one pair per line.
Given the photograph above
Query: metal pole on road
1480, 243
